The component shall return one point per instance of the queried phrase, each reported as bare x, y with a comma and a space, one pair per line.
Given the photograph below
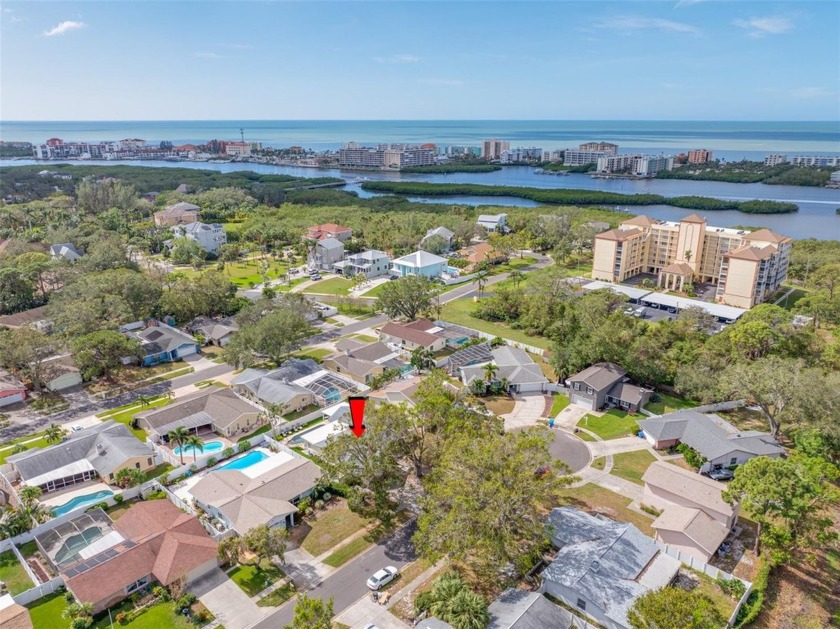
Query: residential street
347, 585
468, 288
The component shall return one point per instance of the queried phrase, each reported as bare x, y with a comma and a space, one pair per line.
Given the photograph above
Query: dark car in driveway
721, 474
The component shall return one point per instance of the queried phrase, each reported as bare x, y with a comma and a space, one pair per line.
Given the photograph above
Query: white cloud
686, 3
397, 59
64, 27
449, 82
629, 23
761, 26
207, 55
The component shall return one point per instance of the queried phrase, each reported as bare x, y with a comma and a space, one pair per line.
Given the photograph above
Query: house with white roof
442, 232
602, 567
67, 251
493, 222
372, 263
210, 236
419, 264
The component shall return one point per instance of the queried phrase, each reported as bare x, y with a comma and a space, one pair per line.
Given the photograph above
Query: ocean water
728, 139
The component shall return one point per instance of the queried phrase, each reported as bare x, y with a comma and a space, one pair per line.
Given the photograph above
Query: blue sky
678, 60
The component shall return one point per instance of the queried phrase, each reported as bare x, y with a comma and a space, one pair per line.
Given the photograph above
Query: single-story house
363, 361
12, 390
606, 384
493, 222
694, 517
243, 502
410, 336
513, 365
216, 331
477, 354
603, 566
372, 263
316, 439
61, 373
161, 343
12, 615
181, 213
152, 542
34, 317
67, 250
718, 441
482, 253
99, 451
521, 609
326, 253
221, 411
420, 264
442, 232
329, 230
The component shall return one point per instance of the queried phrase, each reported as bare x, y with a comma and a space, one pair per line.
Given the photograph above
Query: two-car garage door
585, 402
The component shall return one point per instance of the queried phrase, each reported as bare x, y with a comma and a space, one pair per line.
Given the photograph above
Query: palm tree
490, 371
143, 400
179, 436
516, 276
196, 444
54, 433
467, 610
481, 280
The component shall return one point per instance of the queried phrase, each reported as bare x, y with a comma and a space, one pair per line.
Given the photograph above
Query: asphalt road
468, 289
347, 585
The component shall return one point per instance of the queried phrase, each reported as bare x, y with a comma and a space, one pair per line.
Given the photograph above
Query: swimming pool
82, 501
75, 543
252, 458
209, 446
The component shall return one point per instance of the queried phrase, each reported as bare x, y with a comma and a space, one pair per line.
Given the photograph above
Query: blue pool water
210, 446
252, 458
82, 501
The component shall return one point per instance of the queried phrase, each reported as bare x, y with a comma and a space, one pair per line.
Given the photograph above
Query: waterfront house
99, 451
420, 264
210, 236
694, 516
326, 253
372, 263
606, 384
152, 542
602, 567
161, 343
715, 439
493, 223
263, 494
182, 213
218, 411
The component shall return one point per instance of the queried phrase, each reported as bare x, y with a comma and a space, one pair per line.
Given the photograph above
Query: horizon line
411, 120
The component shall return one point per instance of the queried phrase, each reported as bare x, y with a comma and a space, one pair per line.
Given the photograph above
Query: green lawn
347, 552
304, 411
612, 424
45, 613
460, 313
376, 291
364, 338
258, 431
600, 463
13, 574
331, 527
254, 579
124, 414
355, 311
317, 354
561, 401
332, 286
790, 301
28, 549
668, 404
154, 617
38, 443
631, 465
278, 596
245, 272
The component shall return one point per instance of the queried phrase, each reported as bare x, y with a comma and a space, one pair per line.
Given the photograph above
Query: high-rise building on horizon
699, 156
775, 159
492, 149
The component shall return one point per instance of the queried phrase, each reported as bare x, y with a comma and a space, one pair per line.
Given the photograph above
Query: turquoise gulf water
82, 501
252, 458
729, 139
210, 446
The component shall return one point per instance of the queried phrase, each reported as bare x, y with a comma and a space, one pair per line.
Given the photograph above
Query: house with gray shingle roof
521, 609
718, 441
216, 331
67, 250
100, 451
161, 343
441, 232
513, 366
603, 566
606, 384
326, 253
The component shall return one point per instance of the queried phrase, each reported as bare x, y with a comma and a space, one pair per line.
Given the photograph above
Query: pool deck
58, 498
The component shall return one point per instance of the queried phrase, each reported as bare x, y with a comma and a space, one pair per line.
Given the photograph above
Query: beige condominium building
747, 267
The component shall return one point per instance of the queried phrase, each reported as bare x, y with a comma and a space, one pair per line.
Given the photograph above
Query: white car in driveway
382, 577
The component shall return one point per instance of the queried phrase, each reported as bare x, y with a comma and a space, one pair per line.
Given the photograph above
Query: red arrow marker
357, 413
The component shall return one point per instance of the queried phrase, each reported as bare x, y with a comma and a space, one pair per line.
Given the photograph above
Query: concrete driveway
570, 450
568, 418
229, 604
529, 407
617, 446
